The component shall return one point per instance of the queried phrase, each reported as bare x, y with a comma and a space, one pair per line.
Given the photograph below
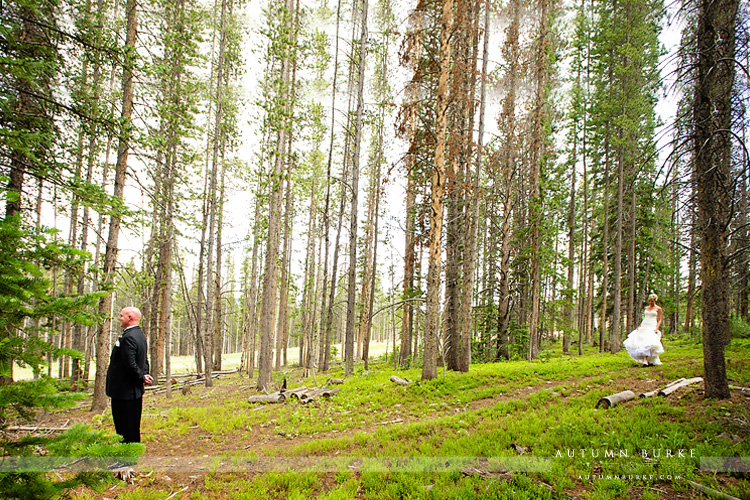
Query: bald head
129, 316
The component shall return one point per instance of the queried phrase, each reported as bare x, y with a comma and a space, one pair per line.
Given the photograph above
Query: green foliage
79, 442
27, 308
28, 313
739, 329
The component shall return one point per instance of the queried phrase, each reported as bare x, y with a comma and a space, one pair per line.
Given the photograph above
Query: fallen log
316, 393
327, 393
656, 391
399, 380
669, 390
615, 399
275, 397
296, 393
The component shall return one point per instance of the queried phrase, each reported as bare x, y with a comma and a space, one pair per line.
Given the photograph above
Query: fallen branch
473, 471
656, 391
711, 492
399, 380
177, 493
615, 399
396, 421
37, 428
669, 390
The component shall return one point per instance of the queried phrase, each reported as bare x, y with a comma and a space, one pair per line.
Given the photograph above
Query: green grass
546, 407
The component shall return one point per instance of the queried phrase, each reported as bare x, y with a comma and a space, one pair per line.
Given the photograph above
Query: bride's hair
653, 296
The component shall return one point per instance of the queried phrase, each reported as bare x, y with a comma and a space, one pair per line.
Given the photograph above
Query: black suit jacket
127, 365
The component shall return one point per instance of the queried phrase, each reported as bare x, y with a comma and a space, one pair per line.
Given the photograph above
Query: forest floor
503, 430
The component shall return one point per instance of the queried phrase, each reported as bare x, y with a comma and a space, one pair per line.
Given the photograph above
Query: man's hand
148, 379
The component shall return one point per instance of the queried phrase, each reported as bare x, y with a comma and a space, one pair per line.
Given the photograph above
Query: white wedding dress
644, 343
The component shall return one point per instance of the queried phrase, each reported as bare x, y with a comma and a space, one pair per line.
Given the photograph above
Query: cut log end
615, 399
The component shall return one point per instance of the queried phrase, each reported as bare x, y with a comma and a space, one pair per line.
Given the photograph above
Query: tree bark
712, 115
99, 402
432, 312
472, 214
352, 282
508, 159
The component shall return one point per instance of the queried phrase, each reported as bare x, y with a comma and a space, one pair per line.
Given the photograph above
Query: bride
644, 344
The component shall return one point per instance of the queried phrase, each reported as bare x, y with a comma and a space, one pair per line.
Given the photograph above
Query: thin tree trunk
472, 213
352, 283
99, 402
508, 161
326, 311
282, 326
537, 155
614, 337
605, 245
570, 292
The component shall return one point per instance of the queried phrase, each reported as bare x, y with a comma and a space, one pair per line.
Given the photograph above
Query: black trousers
127, 416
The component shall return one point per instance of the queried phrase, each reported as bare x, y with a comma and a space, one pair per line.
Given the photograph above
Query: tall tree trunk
282, 326
99, 402
614, 337
537, 157
432, 312
472, 213
308, 292
327, 308
605, 244
352, 283
508, 161
569, 295
407, 320
632, 264
271, 276
218, 324
712, 115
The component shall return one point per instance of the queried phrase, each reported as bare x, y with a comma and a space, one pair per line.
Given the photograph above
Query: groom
127, 373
